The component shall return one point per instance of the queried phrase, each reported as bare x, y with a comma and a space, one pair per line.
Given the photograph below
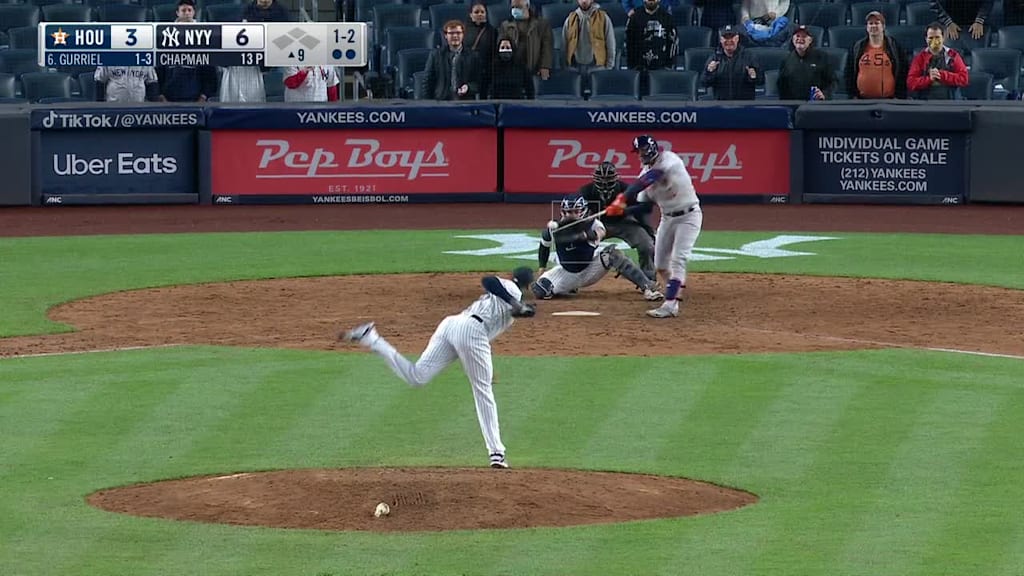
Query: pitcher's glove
525, 310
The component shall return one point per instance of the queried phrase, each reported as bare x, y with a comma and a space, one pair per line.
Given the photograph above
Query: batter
665, 181
467, 337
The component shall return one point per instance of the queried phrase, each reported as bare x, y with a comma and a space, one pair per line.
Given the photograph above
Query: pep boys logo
569, 156
365, 156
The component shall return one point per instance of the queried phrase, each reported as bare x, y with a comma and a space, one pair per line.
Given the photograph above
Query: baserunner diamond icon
293, 35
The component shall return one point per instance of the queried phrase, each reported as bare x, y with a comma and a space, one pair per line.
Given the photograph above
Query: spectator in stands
765, 22
482, 38
187, 83
453, 72
877, 64
266, 11
805, 69
126, 84
715, 14
631, 6
651, 38
732, 72
311, 84
956, 13
511, 79
531, 36
589, 38
939, 72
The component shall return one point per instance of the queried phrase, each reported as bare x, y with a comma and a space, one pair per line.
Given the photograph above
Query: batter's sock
672, 291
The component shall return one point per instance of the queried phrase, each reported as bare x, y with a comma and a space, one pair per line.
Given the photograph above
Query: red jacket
955, 77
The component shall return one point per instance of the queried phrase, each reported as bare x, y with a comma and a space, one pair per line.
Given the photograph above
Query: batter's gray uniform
125, 83
466, 337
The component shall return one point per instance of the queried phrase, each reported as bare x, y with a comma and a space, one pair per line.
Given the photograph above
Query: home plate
575, 313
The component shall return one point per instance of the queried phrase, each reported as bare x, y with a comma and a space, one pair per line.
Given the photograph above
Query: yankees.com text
642, 117
352, 117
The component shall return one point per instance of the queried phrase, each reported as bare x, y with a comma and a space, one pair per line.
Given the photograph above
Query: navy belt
477, 318
681, 212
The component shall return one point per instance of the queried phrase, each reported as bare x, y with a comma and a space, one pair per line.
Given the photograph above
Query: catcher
582, 260
633, 227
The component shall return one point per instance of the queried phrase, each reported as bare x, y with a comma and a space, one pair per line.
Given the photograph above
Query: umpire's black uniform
634, 230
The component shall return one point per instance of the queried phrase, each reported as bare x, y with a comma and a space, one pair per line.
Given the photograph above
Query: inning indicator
203, 44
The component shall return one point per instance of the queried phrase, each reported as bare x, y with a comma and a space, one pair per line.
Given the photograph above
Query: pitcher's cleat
653, 295
498, 461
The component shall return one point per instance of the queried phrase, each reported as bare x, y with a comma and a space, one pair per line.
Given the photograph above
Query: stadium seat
67, 13
121, 13
695, 58
770, 58
980, 86
364, 8
37, 85
616, 12
910, 38
498, 13
557, 13
163, 12
860, 10
920, 14
410, 61
771, 85
26, 38
441, 13
87, 85
822, 14
223, 13
560, 85
683, 15
17, 16
40, 3
390, 16
403, 38
419, 86
693, 37
837, 57
96, 3
1011, 37
845, 37
1002, 63
8, 85
672, 85
208, 3
19, 62
608, 85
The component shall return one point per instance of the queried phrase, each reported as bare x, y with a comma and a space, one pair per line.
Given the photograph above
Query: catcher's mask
647, 147
606, 179
574, 207
523, 277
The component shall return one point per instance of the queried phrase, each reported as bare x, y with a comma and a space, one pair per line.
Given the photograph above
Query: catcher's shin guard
615, 259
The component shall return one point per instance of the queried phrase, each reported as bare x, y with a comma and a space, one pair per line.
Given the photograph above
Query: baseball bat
580, 221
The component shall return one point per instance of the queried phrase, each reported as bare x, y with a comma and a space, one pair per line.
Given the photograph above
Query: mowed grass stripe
920, 485
979, 533
706, 443
654, 396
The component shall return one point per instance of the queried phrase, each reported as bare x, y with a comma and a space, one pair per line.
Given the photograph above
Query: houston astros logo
60, 37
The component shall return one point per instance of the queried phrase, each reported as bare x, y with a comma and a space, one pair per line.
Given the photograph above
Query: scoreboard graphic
272, 44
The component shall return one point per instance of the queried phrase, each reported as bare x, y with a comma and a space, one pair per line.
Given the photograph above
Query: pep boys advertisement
726, 162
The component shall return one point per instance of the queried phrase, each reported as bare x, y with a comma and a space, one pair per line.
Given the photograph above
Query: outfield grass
893, 462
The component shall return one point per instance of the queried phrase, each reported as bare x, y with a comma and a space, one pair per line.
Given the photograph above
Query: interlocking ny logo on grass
524, 247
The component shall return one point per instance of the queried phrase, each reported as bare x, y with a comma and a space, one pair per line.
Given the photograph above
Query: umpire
631, 227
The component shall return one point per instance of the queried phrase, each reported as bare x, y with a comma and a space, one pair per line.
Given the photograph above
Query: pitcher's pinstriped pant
456, 337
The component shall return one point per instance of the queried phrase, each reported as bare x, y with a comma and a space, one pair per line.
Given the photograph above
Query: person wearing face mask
531, 38
481, 38
510, 78
805, 69
939, 72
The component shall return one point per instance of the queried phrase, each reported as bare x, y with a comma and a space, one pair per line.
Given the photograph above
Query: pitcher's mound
421, 499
